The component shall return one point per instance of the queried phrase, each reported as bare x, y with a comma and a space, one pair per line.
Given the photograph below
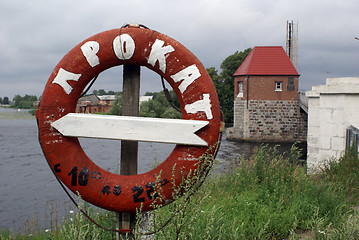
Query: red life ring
127, 45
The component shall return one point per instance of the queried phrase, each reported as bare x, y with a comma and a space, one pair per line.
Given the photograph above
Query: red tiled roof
267, 61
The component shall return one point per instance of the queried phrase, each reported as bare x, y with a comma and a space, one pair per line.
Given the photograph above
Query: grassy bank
13, 114
268, 196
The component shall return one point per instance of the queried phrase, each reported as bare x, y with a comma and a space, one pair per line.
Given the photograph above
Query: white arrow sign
176, 131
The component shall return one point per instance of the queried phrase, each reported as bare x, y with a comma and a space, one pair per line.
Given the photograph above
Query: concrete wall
239, 131
331, 109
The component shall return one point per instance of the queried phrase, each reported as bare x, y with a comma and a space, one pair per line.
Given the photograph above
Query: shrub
344, 172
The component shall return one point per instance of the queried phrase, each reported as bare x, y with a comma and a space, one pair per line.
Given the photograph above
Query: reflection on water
28, 187
232, 151
106, 153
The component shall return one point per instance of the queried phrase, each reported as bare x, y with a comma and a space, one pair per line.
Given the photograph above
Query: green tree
101, 92
5, 100
159, 107
32, 98
116, 108
0, 100
224, 82
16, 100
232, 62
149, 94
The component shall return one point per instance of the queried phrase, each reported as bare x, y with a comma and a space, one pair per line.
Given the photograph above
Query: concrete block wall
332, 108
313, 132
302, 128
240, 119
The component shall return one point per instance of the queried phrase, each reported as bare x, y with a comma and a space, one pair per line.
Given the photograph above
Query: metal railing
303, 101
352, 138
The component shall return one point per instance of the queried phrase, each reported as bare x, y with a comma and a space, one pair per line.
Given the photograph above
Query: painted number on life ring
82, 178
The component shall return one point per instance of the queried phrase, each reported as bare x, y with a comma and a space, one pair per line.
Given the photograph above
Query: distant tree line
24, 102
102, 92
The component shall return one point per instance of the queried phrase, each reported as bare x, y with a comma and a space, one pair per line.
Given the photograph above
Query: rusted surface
135, 46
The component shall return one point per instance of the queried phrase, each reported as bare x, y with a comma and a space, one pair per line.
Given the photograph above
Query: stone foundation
268, 121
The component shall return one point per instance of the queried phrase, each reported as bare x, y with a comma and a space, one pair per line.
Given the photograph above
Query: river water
29, 193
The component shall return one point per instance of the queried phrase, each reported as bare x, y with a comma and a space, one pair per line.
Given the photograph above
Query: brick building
266, 104
93, 104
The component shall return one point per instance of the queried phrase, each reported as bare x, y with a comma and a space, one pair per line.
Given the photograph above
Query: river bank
11, 113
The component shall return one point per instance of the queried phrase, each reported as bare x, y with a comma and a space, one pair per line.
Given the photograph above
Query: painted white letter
158, 53
124, 46
89, 50
63, 76
203, 105
188, 75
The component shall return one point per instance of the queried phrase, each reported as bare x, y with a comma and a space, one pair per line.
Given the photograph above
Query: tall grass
268, 196
344, 172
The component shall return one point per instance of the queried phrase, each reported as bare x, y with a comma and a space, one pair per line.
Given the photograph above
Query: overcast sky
35, 35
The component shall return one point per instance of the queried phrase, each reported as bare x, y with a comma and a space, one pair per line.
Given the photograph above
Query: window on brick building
240, 89
278, 86
290, 86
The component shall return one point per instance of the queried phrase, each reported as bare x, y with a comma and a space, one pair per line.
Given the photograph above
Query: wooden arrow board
177, 131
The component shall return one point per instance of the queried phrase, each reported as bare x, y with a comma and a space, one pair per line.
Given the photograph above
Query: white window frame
278, 86
240, 89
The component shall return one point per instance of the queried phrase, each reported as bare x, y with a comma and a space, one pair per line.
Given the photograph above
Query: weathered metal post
129, 149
